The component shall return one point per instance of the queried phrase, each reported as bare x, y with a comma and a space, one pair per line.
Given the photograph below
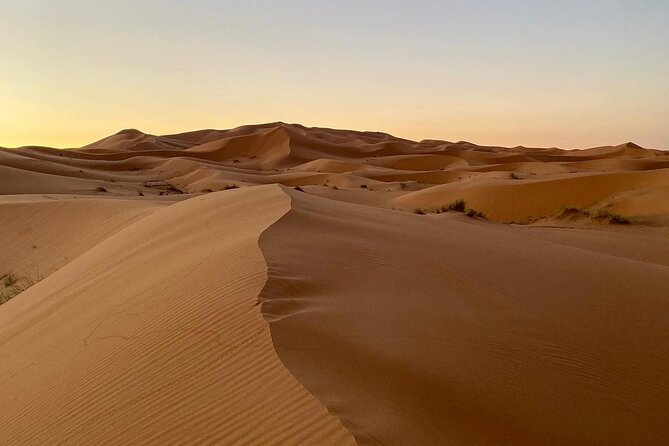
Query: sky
528, 72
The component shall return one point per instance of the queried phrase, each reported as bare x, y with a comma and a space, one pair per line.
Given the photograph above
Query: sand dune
511, 200
292, 155
29, 223
461, 333
123, 347
272, 284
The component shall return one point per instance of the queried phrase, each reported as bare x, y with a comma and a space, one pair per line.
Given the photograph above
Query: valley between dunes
277, 284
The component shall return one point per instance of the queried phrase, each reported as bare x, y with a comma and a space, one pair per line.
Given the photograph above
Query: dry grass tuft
11, 285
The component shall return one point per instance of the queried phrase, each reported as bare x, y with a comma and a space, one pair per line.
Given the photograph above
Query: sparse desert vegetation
225, 187
600, 215
12, 284
611, 217
473, 213
458, 205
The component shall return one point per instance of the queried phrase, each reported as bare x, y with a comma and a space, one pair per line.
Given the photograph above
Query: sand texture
277, 284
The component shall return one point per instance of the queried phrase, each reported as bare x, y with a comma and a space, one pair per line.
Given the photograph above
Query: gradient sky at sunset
542, 73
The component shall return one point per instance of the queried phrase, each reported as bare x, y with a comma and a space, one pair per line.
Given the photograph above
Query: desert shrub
515, 176
618, 220
298, 188
612, 218
9, 280
473, 213
12, 285
458, 205
100, 189
363, 186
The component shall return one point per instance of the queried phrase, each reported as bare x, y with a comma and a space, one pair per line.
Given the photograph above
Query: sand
154, 336
272, 284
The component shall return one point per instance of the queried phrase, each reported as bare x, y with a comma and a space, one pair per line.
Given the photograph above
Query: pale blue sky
563, 73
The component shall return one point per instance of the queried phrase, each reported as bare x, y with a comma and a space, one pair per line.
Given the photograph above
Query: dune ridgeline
278, 284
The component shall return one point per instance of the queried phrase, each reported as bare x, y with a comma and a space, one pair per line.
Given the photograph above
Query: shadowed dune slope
446, 330
153, 336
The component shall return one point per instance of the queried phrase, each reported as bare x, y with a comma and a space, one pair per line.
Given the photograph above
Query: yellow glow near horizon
528, 73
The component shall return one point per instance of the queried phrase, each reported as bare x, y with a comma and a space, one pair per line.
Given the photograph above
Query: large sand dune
190, 294
445, 330
154, 337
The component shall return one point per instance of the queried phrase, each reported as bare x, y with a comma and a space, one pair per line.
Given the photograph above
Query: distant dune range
510, 185
274, 284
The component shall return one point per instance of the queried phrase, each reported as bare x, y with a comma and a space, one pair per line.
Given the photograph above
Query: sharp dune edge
168, 314
457, 333
122, 346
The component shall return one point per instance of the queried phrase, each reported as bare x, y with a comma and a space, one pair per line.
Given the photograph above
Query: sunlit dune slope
518, 184
154, 336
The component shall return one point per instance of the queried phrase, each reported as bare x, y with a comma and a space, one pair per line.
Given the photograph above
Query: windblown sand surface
189, 294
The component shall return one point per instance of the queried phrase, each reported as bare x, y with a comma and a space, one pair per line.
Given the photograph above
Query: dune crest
119, 347
508, 185
446, 331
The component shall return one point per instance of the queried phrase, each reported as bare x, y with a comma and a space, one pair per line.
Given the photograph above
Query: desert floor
277, 284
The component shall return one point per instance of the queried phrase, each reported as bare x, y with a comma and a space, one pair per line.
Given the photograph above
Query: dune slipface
274, 284
443, 330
